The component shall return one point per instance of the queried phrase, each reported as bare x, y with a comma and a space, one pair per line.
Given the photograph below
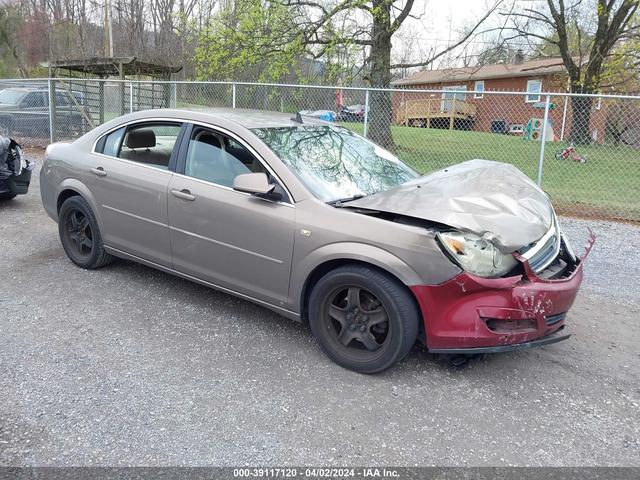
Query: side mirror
254, 183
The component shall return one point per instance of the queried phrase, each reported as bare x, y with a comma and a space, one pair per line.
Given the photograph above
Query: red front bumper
470, 312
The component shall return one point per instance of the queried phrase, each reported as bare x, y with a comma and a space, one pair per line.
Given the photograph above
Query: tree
584, 50
10, 21
273, 35
375, 25
250, 37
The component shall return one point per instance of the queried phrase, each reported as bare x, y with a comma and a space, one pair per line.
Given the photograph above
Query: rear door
129, 176
222, 236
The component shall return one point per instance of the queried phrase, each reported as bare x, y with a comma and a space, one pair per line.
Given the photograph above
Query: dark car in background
25, 110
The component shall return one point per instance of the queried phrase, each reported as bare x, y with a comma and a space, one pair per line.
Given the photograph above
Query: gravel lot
130, 366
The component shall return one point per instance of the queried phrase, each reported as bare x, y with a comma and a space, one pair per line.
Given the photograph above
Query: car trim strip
232, 247
137, 217
284, 311
192, 234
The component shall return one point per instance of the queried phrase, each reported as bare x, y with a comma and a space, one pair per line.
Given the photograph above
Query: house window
479, 88
534, 87
448, 92
450, 95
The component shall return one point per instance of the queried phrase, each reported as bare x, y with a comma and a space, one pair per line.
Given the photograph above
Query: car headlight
475, 254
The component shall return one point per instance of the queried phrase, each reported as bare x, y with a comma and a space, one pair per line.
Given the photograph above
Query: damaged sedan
15, 169
322, 226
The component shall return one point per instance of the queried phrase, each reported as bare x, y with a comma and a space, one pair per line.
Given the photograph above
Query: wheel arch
71, 187
336, 255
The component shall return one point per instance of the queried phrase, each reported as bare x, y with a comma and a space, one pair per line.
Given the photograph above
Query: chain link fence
583, 150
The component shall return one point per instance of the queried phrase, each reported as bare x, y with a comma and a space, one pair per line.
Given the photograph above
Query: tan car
319, 224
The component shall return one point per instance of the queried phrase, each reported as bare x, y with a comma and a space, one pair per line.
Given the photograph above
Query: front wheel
364, 319
80, 235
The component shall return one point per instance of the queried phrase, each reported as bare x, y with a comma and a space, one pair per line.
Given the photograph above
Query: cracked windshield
334, 163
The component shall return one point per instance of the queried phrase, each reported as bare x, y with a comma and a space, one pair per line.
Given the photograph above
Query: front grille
553, 319
546, 255
542, 253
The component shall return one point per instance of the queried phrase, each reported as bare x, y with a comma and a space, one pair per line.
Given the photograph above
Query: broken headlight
475, 254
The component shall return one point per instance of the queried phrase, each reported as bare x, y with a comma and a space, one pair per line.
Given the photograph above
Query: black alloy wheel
364, 319
80, 234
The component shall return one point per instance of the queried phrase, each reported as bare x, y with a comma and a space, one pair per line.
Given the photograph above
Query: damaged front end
471, 314
519, 276
15, 169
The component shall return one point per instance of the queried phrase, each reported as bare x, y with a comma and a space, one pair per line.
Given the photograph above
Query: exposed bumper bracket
549, 339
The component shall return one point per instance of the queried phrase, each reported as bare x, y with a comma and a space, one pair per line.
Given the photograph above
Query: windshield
335, 163
10, 97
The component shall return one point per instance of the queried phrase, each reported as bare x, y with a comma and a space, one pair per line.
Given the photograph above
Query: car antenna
297, 118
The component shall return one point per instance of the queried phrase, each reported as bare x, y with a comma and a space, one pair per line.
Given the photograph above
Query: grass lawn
608, 185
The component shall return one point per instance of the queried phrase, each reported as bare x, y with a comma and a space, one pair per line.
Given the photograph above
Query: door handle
184, 194
99, 172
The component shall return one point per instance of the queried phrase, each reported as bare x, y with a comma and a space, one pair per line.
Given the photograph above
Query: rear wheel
80, 235
363, 319
7, 196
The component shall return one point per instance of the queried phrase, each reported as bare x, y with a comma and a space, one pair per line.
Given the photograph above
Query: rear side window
34, 100
62, 99
110, 143
150, 143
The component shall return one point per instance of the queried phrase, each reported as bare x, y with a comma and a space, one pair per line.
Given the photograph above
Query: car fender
83, 190
347, 251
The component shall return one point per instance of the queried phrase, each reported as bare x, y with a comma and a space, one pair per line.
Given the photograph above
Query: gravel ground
130, 366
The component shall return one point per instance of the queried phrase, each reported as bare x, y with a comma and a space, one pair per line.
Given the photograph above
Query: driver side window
217, 158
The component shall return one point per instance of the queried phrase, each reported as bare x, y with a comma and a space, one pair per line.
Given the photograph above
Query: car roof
248, 118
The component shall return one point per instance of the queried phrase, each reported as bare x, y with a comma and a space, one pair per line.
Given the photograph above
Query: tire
8, 196
355, 304
80, 235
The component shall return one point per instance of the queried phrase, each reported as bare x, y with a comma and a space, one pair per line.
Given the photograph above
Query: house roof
531, 68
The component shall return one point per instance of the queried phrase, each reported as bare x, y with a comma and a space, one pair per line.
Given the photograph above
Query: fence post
543, 139
233, 95
366, 113
52, 110
130, 96
564, 117
175, 94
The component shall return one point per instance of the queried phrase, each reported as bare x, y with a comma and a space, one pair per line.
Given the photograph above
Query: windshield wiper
338, 203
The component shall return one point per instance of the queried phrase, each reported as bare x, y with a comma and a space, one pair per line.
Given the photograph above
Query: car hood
491, 199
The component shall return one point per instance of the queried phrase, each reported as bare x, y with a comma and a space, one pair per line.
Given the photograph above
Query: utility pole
108, 30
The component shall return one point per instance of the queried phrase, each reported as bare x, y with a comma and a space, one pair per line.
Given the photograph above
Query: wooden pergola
104, 67
111, 67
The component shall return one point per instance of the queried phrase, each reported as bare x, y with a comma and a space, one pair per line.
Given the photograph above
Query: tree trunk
581, 117
380, 111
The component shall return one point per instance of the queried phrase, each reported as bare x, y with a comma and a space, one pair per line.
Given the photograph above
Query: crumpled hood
492, 199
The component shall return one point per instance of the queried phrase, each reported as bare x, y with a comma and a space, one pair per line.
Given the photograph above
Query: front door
225, 237
129, 176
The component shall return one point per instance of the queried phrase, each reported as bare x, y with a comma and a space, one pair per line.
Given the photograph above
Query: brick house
484, 112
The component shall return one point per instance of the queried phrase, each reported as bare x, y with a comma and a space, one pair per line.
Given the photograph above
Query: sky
440, 24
